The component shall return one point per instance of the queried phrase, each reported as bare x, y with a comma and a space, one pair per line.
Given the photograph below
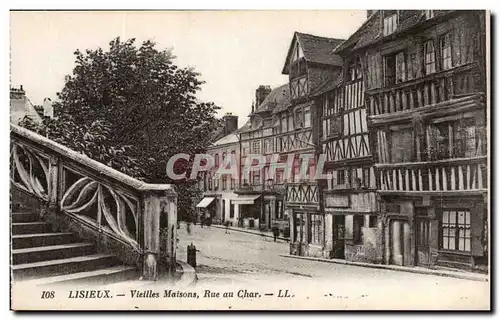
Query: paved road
241, 260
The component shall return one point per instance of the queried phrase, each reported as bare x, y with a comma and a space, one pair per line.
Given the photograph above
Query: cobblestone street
241, 260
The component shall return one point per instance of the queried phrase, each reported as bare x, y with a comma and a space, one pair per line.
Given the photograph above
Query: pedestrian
188, 227
227, 226
275, 231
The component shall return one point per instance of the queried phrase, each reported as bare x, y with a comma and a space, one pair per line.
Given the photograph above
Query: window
307, 117
340, 177
256, 147
429, 14
299, 227
430, 57
280, 176
354, 69
279, 209
233, 182
299, 120
210, 184
216, 183
357, 231
316, 234
366, 178
400, 67
216, 160
395, 70
445, 47
224, 182
455, 225
256, 178
401, 146
389, 70
268, 146
390, 23
284, 124
373, 221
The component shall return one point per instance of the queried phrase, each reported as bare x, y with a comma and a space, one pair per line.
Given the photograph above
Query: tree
132, 108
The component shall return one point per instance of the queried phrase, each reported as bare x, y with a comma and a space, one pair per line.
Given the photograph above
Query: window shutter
477, 230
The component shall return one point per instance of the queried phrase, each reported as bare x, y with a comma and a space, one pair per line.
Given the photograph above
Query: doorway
338, 236
400, 242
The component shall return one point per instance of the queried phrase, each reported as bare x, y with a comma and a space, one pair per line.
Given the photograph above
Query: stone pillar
367, 220
387, 240
328, 227
396, 242
158, 202
406, 244
293, 236
52, 186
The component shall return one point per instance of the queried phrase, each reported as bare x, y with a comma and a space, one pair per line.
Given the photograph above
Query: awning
205, 202
245, 199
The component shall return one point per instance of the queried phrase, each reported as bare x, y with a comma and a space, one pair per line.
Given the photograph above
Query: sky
235, 51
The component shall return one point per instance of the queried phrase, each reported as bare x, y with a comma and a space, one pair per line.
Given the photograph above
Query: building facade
425, 95
310, 64
218, 191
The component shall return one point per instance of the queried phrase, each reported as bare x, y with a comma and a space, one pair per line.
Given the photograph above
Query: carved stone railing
122, 215
453, 175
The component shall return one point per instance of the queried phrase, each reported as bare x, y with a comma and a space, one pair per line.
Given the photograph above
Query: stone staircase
46, 257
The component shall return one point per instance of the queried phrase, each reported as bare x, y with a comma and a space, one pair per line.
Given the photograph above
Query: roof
316, 49
228, 139
371, 31
329, 84
278, 98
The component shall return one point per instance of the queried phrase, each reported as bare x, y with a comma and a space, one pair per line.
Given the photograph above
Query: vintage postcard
198, 160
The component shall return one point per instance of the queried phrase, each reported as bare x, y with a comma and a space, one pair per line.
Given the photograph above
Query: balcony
454, 176
430, 90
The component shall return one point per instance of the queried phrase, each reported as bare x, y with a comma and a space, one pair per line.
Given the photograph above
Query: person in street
188, 227
227, 226
275, 231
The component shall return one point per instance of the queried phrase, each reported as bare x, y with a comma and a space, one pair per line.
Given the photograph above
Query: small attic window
390, 22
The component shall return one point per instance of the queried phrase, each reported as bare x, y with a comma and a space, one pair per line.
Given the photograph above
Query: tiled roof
330, 83
278, 98
371, 30
316, 49
228, 139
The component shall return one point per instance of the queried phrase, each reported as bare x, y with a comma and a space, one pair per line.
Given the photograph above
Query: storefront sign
336, 201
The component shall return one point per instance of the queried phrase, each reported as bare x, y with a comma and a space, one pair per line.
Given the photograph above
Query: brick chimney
230, 123
260, 94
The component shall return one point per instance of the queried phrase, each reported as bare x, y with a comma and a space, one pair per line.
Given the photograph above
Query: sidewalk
267, 234
437, 272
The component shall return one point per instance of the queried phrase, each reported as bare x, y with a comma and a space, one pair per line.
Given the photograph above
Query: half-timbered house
309, 64
352, 230
424, 73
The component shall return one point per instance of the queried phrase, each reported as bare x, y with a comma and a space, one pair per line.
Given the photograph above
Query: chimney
230, 123
48, 109
260, 94
253, 107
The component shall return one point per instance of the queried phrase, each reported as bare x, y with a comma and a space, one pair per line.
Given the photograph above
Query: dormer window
429, 14
390, 22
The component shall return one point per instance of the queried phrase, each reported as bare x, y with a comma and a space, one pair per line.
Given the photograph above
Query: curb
250, 232
443, 273
188, 275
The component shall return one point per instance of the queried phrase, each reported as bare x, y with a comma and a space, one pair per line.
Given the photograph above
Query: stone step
22, 241
29, 255
24, 217
103, 276
30, 227
62, 266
